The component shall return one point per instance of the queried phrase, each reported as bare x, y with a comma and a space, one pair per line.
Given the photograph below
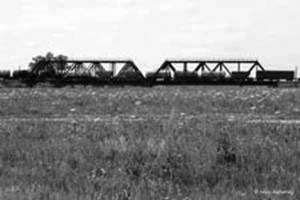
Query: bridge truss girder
81, 67
203, 65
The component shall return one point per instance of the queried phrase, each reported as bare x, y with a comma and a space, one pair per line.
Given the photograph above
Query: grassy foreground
169, 154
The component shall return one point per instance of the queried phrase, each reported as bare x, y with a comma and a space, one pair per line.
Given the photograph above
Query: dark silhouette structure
61, 71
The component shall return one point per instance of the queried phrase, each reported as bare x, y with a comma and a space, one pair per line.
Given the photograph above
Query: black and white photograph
150, 100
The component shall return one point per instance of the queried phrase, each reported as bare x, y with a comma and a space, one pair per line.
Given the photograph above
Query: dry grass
171, 158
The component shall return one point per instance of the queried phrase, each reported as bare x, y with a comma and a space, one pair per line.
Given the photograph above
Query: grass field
150, 143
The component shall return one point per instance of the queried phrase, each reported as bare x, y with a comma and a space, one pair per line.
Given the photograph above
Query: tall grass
150, 161
172, 158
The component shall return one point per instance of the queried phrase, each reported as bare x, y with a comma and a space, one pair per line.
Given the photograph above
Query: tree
44, 64
62, 62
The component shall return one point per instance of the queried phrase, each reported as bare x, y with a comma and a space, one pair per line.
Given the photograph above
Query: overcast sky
149, 31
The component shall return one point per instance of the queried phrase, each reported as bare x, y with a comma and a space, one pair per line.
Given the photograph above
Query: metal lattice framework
203, 65
84, 67
181, 71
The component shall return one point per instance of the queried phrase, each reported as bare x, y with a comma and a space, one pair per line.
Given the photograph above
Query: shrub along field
150, 143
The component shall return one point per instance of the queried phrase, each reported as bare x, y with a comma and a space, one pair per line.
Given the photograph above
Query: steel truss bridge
204, 65
93, 66
188, 70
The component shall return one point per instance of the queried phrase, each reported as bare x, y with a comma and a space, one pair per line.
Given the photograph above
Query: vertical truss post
113, 68
185, 67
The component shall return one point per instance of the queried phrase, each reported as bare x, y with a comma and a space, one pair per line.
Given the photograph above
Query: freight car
22, 75
213, 76
128, 78
161, 77
241, 77
104, 75
186, 77
275, 75
5, 74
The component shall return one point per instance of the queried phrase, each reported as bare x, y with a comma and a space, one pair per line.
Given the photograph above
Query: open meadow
161, 143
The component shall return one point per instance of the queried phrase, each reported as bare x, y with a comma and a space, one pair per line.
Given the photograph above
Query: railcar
275, 75
128, 78
22, 75
104, 75
5, 74
240, 77
213, 76
161, 77
186, 77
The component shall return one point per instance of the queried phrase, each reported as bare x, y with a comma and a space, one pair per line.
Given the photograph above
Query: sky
149, 31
